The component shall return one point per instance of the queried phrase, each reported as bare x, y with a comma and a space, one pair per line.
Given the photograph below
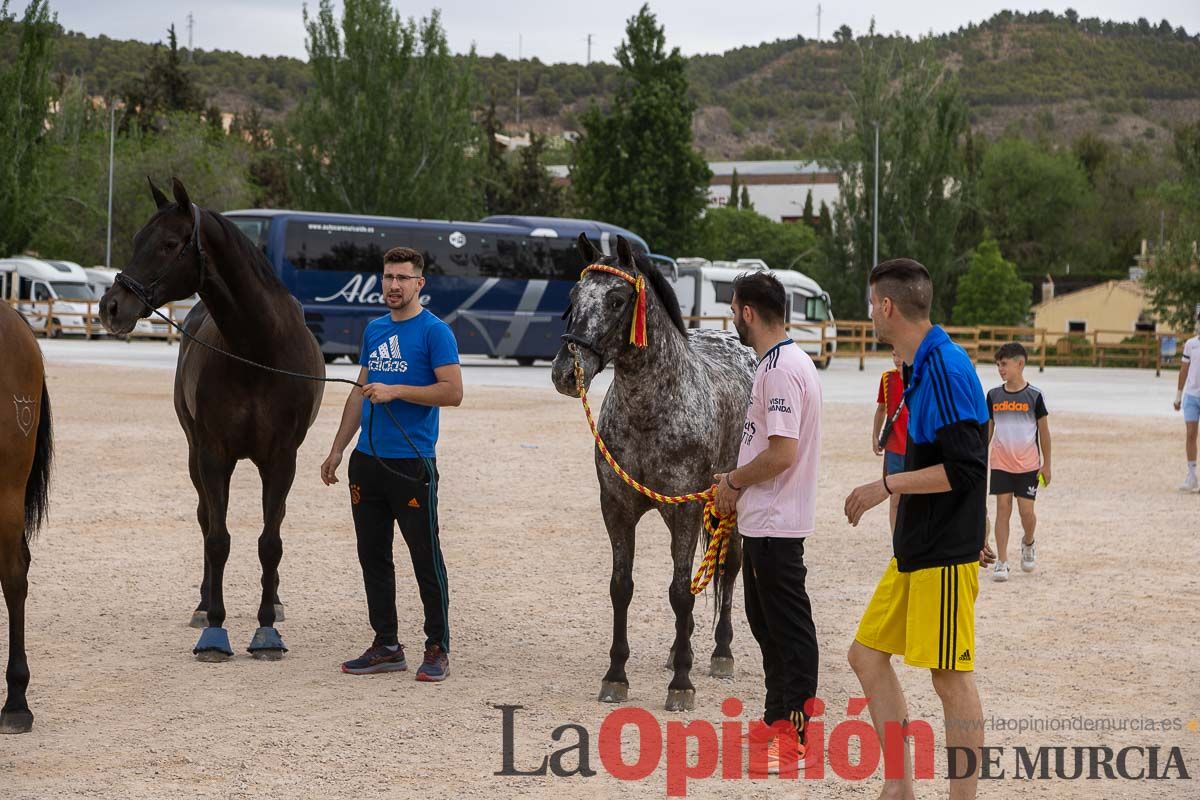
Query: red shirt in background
891, 392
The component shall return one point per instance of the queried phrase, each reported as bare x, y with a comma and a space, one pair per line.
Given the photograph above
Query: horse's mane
662, 290
247, 251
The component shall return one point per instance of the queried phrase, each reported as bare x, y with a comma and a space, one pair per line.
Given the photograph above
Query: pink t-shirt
785, 401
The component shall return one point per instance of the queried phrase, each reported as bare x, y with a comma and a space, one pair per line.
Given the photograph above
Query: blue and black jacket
947, 424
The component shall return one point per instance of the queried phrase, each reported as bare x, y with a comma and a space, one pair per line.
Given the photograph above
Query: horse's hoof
612, 692
279, 615
213, 646
721, 667
267, 645
199, 619
16, 721
681, 699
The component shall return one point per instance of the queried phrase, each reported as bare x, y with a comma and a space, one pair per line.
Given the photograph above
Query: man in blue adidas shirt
410, 362
924, 606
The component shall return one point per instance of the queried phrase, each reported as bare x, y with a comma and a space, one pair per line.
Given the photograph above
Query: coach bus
502, 284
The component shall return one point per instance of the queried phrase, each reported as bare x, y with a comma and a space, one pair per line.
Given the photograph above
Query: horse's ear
181, 195
160, 199
625, 254
587, 249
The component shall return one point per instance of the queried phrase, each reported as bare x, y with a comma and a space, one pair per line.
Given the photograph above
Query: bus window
360, 248
255, 229
817, 309
724, 291
799, 306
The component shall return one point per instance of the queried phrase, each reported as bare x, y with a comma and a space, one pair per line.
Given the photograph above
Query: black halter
145, 293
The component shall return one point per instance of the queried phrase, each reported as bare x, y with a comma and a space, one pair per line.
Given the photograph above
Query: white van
101, 280
705, 289
61, 286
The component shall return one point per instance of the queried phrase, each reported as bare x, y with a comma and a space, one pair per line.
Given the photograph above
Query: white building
777, 189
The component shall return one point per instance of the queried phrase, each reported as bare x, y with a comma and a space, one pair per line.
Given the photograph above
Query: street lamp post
112, 136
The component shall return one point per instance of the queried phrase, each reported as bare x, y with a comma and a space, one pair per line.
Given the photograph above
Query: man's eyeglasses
401, 278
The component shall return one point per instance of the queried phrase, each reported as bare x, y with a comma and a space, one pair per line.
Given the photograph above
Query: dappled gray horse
672, 418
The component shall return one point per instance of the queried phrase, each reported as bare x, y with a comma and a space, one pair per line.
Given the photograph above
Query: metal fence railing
1097, 348
52, 318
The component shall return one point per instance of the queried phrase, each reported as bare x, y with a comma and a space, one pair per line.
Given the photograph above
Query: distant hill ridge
1057, 76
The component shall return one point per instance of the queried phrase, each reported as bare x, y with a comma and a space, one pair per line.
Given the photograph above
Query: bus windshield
73, 291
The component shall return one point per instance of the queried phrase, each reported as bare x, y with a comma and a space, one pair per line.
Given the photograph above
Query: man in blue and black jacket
924, 606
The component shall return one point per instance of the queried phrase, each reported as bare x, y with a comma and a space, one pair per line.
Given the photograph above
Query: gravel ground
1105, 628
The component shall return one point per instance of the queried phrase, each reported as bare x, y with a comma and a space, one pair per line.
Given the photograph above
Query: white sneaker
1000, 572
1190, 483
1028, 556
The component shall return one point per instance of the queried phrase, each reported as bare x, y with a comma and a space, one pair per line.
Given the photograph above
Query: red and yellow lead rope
713, 562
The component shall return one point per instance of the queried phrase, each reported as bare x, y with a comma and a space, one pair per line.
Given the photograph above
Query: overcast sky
556, 30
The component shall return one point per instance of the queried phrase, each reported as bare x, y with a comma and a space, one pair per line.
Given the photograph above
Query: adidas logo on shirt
386, 357
966, 656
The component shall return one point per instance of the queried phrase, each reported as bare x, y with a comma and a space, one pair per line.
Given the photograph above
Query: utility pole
191, 24
589, 57
818, 22
520, 46
112, 137
875, 204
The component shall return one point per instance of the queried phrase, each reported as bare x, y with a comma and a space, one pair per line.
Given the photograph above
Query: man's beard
743, 331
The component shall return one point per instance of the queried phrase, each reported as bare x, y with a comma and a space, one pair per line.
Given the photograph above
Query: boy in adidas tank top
409, 362
1019, 434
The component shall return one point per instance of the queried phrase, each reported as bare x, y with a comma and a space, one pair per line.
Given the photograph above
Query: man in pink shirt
774, 489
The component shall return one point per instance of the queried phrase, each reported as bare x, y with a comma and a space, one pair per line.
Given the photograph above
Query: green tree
1033, 198
531, 188
215, 171
991, 292
745, 201
922, 121
635, 165
730, 233
734, 197
807, 214
25, 90
166, 87
1174, 280
386, 127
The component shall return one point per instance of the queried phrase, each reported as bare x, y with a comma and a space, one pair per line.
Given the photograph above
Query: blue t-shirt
404, 353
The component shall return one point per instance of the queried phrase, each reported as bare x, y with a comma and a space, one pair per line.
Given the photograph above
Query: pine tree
808, 210
25, 89
745, 201
635, 165
386, 127
734, 197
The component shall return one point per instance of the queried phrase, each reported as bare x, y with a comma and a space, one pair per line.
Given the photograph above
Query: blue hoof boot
213, 645
267, 644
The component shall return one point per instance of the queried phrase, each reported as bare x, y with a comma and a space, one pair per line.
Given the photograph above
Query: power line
191, 24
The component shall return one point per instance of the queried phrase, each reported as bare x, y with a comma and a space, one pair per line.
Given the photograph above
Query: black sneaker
378, 658
436, 665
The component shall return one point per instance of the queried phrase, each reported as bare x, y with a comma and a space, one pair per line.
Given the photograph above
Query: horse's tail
37, 489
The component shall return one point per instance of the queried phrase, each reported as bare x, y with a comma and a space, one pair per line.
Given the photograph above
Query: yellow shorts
927, 616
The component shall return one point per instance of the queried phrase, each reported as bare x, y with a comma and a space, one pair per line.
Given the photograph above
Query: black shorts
1022, 484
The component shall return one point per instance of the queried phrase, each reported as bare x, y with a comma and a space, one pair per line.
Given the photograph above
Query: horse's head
601, 315
166, 264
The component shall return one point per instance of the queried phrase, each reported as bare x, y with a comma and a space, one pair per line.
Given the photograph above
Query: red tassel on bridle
637, 331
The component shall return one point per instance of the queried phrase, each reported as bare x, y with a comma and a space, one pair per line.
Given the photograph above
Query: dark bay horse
672, 419
26, 448
229, 410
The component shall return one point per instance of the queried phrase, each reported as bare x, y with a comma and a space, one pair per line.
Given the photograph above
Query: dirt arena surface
1105, 630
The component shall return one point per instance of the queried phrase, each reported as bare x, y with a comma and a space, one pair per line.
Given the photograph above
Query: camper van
705, 289
61, 286
101, 280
